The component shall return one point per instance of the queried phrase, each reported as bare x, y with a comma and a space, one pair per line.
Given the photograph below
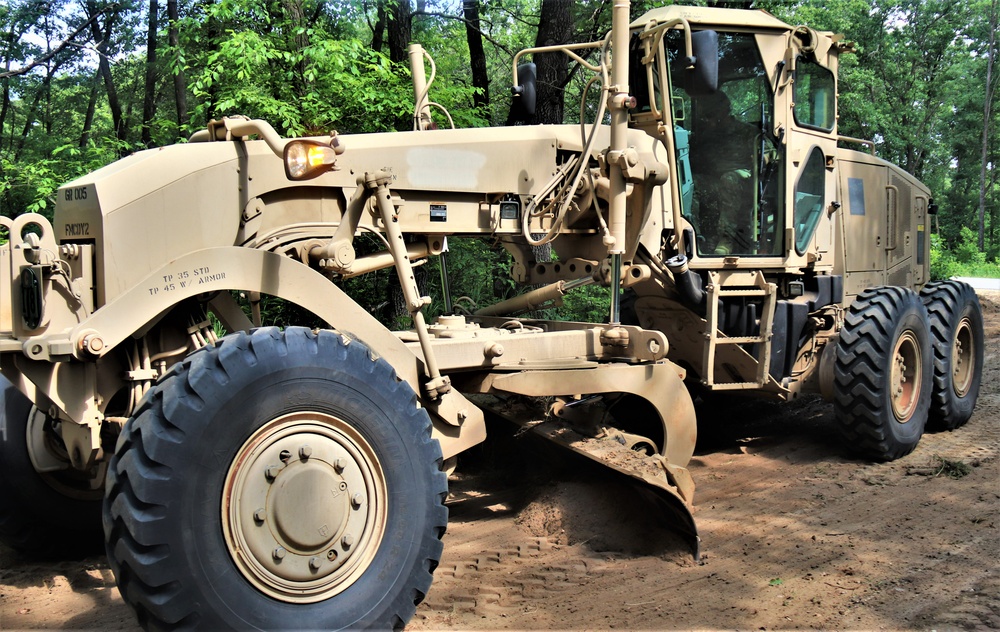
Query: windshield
727, 155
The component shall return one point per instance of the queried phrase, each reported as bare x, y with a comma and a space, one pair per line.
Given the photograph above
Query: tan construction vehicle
296, 478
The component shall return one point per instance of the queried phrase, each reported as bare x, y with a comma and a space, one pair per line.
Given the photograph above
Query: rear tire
41, 515
882, 384
276, 480
956, 325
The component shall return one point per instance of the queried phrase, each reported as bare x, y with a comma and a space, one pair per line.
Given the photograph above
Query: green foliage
30, 186
589, 304
478, 274
963, 259
916, 87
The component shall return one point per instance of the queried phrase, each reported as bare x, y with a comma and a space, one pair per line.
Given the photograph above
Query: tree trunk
555, 27
5, 107
477, 56
295, 15
400, 30
378, 31
987, 106
105, 67
180, 80
88, 120
32, 114
149, 95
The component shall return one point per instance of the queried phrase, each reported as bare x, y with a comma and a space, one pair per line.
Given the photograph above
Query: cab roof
713, 16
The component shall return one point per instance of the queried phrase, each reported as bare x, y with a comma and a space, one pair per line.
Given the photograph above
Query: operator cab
728, 142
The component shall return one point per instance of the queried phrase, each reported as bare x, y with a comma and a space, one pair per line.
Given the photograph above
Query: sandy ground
795, 534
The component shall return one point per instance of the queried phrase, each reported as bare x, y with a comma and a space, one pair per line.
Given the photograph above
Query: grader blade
652, 476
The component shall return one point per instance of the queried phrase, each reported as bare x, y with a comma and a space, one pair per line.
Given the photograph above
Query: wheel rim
905, 377
963, 362
304, 507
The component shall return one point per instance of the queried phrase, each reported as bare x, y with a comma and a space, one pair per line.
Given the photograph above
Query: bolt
278, 553
347, 540
305, 452
259, 515
356, 500
92, 343
285, 455
315, 563
271, 472
339, 465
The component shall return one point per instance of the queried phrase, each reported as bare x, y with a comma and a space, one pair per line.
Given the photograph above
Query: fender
235, 268
223, 269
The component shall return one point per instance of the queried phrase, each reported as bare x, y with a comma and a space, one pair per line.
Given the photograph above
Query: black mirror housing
703, 78
522, 106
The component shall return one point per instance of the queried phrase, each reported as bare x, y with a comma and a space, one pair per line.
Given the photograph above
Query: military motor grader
296, 478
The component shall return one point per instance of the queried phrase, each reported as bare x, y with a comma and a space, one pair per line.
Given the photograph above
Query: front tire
276, 480
882, 373
956, 324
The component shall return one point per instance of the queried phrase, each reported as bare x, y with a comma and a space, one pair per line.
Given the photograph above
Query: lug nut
356, 500
315, 563
271, 472
347, 541
305, 452
259, 515
278, 553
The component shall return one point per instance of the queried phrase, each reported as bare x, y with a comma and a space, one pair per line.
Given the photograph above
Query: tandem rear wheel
882, 387
276, 480
956, 326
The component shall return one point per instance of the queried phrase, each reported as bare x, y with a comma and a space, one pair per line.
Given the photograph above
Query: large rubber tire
41, 515
273, 440
956, 323
882, 384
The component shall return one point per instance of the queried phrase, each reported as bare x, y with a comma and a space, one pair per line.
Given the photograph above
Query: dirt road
795, 534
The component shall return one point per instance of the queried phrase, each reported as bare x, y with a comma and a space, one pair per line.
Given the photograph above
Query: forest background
85, 82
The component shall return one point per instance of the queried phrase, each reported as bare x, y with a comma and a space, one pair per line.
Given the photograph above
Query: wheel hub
905, 377
962, 360
304, 507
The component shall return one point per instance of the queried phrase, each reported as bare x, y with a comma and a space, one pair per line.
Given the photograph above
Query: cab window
814, 94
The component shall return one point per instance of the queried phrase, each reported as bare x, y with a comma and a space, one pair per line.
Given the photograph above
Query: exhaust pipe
688, 285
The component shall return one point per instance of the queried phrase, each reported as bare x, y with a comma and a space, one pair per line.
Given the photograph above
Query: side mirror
932, 208
522, 106
703, 77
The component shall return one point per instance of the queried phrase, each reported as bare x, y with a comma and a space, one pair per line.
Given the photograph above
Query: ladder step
735, 386
740, 341
742, 293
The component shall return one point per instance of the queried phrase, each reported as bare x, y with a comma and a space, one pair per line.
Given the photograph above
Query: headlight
306, 159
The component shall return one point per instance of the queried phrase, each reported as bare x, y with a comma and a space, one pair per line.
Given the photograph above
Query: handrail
235, 126
860, 141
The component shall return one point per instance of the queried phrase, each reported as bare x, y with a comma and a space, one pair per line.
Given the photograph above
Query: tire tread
860, 376
134, 522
